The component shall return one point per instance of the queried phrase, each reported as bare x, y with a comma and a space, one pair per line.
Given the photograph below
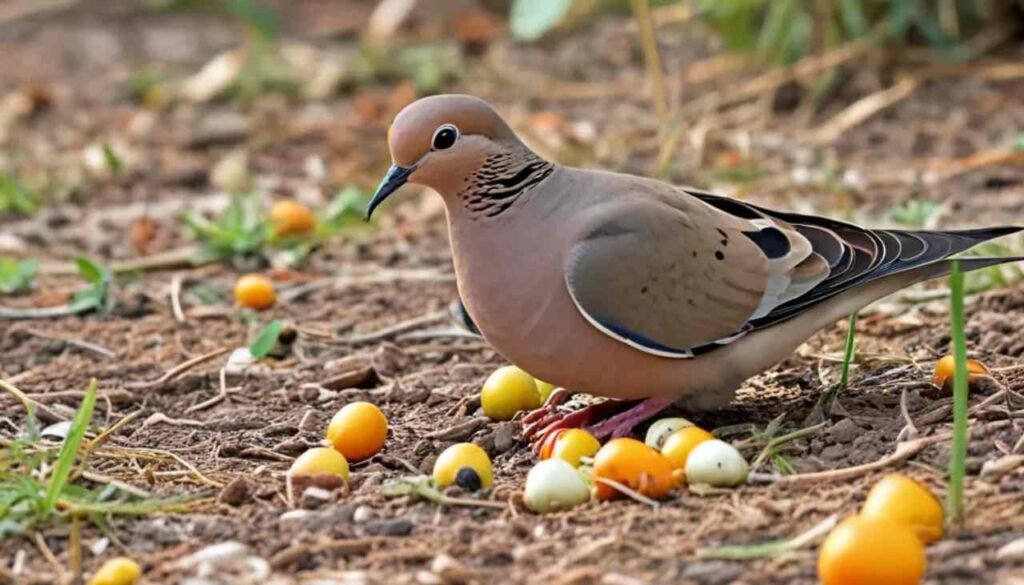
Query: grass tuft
958, 452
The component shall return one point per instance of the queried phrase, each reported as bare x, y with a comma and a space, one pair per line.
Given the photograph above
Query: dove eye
444, 137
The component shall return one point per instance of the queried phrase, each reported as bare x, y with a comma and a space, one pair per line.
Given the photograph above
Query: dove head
441, 141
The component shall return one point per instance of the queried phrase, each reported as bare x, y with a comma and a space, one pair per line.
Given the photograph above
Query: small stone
314, 498
1011, 551
449, 569
504, 437
845, 431
363, 514
237, 492
390, 527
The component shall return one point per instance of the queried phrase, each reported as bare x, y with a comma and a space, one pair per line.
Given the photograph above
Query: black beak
396, 177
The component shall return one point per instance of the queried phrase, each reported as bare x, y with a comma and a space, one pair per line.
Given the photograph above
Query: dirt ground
577, 96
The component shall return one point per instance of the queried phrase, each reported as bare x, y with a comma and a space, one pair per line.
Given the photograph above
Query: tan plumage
628, 287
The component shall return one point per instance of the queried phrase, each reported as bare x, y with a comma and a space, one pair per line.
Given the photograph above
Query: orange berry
904, 499
289, 217
255, 291
548, 446
678, 445
945, 368
870, 551
358, 430
633, 464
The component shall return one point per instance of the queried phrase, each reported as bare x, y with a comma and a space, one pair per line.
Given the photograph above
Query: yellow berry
680, 443
459, 457
507, 391
255, 291
117, 571
290, 217
320, 461
545, 389
904, 499
869, 551
574, 444
358, 431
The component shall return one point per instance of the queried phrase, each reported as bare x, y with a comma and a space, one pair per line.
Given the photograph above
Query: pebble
390, 527
363, 514
237, 492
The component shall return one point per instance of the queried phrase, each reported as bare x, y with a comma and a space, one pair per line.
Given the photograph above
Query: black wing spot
771, 240
719, 255
643, 290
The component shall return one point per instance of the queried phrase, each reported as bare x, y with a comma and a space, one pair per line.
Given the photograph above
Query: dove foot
607, 419
622, 424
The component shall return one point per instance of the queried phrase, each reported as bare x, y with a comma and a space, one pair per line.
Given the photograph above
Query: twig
179, 369
778, 441
393, 330
17, 10
31, 406
419, 487
49, 556
159, 417
379, 276
176, 282
864, 108
642, 11
771, 549
903, 451
910, 430
72, 341
176, 258
124, 487
627, 491
221, 395
13, 313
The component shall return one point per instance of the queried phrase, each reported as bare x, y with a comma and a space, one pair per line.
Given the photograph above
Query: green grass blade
844, 377
958, 453
69, 450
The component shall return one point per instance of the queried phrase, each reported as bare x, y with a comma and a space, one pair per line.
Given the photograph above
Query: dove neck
501, 180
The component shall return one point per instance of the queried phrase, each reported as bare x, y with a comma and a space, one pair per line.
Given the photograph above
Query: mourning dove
627, 287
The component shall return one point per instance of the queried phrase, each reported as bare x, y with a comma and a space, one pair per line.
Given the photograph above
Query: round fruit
507, 391
869, 551
660, 430
117, 571
545, 389
554, 485
715, 463
634, 465
358, 430
904, 499
290, 217
945, 368
255, 291
320, 461
573, 444
454, 459
680, 443
547, 447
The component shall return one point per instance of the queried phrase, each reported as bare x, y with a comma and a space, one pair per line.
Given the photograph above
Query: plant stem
958, 453
844, 377
642, 10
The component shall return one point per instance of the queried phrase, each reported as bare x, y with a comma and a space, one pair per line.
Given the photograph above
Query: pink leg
622, 424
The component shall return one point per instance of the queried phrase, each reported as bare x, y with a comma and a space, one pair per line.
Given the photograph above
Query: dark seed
468, 479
